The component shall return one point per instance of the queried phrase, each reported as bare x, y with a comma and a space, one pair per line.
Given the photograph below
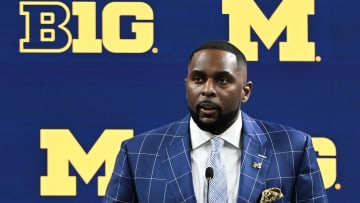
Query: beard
219, 125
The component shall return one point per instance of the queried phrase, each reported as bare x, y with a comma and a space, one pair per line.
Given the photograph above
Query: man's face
215, 88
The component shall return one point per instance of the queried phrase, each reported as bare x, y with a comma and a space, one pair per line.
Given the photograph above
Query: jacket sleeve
121, 186
309, 186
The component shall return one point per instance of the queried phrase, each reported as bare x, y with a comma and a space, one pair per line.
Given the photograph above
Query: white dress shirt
230, 154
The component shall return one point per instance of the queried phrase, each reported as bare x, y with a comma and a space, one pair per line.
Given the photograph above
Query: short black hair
222, 45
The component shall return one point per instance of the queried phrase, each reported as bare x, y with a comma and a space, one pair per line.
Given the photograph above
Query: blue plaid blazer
156, 166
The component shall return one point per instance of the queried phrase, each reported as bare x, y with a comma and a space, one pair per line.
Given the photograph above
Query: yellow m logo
290, 14
63, 148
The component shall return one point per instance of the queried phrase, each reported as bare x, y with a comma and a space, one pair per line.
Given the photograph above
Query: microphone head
209, 173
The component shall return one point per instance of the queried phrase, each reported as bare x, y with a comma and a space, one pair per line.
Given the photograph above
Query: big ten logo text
63, 149
47, 27
290, 15
326, 150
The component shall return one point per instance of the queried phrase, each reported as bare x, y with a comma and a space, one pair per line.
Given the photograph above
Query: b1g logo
291, 15
47, 29
326, 150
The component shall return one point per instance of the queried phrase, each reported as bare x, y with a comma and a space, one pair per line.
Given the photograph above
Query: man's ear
246, 91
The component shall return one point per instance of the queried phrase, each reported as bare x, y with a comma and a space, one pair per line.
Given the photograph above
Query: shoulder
282, 136
160, 137
286, 138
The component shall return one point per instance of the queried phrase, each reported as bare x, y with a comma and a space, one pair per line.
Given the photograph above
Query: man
256, 161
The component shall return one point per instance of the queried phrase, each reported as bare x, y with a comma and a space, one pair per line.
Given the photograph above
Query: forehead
213, 59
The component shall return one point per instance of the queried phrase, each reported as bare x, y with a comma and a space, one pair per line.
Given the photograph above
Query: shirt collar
231, 135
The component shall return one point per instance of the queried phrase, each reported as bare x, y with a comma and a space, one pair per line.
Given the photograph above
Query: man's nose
208, 89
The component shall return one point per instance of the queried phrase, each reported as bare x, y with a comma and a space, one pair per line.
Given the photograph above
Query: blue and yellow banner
79, 77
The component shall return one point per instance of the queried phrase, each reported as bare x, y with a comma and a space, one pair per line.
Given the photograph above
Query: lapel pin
256, 165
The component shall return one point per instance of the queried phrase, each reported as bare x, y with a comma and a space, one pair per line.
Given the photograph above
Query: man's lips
208, 107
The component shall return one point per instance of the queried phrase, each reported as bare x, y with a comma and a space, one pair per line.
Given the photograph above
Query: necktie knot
216, 143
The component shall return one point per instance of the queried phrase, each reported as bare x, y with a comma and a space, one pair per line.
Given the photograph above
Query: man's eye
222, 81
197, 79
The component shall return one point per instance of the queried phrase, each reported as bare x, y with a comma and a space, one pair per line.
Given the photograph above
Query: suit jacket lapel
255, 160
176, 165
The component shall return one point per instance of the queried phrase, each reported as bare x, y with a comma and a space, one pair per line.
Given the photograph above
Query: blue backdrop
88, 93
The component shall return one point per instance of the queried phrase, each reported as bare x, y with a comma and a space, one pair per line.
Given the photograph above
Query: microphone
209, 174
